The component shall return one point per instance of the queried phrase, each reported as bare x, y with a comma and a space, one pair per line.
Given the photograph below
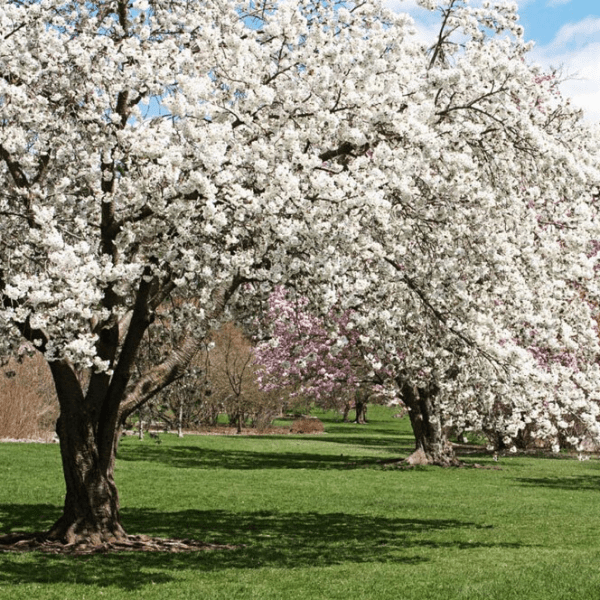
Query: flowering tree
471, 275
473, 271
160, 151
319, 357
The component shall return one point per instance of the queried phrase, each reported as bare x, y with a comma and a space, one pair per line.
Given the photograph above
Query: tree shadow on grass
372, 428
196, 457
266, 538
579, 482
32, 517
400, 445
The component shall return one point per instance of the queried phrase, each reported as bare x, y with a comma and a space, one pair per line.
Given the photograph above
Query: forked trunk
89, 424
88, 433
91, 509
431, 442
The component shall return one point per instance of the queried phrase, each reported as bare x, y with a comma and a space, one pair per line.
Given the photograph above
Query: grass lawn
317, 518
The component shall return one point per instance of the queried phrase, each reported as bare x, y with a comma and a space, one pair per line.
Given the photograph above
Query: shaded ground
304, 425
267, 538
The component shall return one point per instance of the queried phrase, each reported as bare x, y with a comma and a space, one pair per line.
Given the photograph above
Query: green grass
318, 518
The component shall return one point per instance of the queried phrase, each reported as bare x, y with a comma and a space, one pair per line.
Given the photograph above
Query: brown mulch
28, 542
226, 430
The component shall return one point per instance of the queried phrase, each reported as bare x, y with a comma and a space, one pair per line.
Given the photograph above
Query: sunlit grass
318, 517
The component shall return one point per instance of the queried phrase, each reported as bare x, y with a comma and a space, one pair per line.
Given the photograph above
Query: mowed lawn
317, 517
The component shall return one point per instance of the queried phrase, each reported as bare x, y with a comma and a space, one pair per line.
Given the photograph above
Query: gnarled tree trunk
88, 429
88, 439
431, 442
91, 510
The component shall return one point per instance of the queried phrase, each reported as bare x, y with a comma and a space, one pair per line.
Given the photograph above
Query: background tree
234, 379
186, 402
471, 271
319, 357
28, 406
473, 274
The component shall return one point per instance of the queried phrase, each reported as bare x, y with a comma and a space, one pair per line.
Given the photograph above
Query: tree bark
91, 509
88, 430
431, 442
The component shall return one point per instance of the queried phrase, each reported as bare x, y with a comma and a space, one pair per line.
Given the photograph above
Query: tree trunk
88, 429
180, 419
91, 509
89, 425
360, 405
346, 411
431, 442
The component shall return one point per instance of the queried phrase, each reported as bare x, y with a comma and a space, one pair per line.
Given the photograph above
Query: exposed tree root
443, 458
29, 542
403, 464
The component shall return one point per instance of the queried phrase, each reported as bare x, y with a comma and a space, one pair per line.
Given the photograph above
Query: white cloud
578, 33
576, 50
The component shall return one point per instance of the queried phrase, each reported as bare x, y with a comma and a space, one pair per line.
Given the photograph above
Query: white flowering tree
467, 252
473, 274
154, 156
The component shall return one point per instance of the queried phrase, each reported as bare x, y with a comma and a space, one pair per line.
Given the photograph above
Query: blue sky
566, 35
543, 19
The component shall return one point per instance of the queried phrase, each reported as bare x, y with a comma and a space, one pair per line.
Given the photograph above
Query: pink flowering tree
319, 357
